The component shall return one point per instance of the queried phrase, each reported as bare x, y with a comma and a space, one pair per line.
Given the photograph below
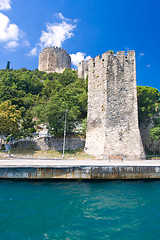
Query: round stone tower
54, 59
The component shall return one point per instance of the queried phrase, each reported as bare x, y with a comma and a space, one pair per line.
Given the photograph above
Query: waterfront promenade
37, 162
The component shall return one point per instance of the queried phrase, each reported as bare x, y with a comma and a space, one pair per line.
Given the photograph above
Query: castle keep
54, 59
112, 127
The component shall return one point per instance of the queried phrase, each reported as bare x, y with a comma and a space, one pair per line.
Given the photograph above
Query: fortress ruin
112, 122
54, 59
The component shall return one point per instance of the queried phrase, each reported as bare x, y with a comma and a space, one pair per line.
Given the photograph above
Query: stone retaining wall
54, 144
76, 143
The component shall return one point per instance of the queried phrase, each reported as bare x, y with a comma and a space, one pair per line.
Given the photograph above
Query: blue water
114, 210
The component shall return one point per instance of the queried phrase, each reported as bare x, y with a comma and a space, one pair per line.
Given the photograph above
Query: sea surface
116, 210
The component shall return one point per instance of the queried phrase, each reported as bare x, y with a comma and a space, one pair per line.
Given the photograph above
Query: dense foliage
45, 97
148, 109
155, 133
148, 100
62, 92
9, 119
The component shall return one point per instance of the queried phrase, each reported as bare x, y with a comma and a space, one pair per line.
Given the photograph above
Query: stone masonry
53, 144
112, 127
83, 69
54, 59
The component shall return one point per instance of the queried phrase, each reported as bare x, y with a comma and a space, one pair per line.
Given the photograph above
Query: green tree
48, 94
27, 125
148, 99
62, 92
9, 119
84, 126
155, 133
8, 65
148, 109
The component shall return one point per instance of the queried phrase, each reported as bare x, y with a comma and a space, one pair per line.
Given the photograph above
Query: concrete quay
78, 169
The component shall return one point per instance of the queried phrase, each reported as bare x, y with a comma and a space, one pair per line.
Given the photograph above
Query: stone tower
112, 127
54, 59
83, 69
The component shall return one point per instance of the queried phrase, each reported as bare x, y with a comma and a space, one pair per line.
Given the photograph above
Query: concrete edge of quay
76, 170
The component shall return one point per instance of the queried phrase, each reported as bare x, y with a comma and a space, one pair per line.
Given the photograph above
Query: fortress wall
112, 104
54, 59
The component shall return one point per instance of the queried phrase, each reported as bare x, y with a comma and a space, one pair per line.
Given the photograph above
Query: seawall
71, 169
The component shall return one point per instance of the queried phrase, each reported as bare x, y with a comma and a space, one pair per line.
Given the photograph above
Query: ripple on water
79, 210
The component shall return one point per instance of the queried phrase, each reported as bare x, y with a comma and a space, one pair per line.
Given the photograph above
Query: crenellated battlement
106, 59
58, 49
119, 55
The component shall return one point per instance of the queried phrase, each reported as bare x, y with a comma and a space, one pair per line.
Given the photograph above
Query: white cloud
55, 34
79, 57
8, 32
60, 16
148, 66
87, 58
141, 54
33, 52
11, 44
5, 4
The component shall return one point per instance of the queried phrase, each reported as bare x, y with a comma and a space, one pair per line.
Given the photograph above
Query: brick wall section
54, 59
112, 107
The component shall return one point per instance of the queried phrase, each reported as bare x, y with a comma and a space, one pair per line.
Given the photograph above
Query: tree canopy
155, 133
62, 92
148, 109
9, 119
148, 101
45, 97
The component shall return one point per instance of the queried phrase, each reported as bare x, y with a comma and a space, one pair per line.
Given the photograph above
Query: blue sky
84, 28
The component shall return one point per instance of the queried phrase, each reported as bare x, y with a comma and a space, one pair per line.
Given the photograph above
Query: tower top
54, 59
